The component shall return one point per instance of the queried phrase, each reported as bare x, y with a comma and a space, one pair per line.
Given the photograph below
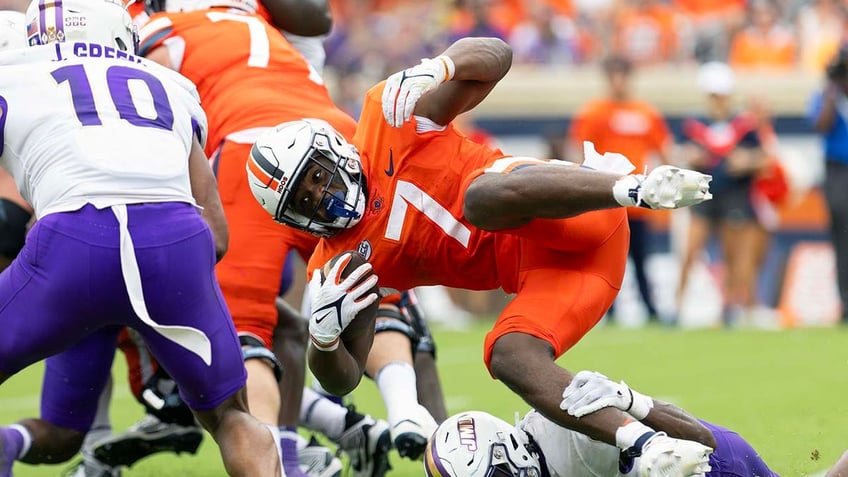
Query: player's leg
697, 235
73, 381
249, 276
363, 439
427, 380
639, 236
560, 298
205, 358
390, 365
101, 428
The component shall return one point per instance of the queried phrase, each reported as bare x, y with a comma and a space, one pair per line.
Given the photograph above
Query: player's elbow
487, 206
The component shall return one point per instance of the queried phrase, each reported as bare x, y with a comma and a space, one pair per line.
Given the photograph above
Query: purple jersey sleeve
734, 456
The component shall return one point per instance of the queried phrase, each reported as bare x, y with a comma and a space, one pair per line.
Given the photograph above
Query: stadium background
780, 385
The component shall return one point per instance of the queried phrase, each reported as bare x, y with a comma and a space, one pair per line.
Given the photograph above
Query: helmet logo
282, 185
467, 433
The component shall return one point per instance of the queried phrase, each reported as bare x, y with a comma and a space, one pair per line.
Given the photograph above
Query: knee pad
13, 221
409, 305
160, 397
393, 320
253, 348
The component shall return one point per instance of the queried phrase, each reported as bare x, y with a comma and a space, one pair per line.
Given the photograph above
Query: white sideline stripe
32, 401
819, 474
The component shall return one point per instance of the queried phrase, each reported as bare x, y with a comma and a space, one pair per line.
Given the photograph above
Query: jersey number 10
118, 80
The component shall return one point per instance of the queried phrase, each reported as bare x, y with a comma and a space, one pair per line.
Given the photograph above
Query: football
367, 316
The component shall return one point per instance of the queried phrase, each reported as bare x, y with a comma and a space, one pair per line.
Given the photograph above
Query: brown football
365, 317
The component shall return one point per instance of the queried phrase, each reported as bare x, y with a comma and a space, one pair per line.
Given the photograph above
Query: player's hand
404, 88
663, 456
337, 301
665, 187
589, 391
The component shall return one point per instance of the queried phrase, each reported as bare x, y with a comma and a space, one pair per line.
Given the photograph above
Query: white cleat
316, 460
410, 435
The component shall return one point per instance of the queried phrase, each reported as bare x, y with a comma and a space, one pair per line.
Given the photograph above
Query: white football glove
336, 303
663, 456
404, 88
665, 187
589, 391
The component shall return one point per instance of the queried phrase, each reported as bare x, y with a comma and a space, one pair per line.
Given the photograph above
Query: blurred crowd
372, 38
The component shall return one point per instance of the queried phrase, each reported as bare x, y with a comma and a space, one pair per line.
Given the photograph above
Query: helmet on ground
105, 22
12, 30
477, 444
155, 6
303, 155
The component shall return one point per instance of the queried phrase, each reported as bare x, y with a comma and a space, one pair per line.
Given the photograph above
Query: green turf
786, 392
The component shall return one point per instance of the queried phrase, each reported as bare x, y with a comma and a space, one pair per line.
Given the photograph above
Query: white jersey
84, 123
569, 453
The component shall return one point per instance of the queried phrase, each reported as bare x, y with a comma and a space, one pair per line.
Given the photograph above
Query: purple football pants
65, 297
734, 457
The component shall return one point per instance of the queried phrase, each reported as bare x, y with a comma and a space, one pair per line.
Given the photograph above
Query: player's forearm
337, 371
495, 201
678, 423
480, 59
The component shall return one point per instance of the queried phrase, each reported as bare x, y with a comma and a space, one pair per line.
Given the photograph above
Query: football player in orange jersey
250, 78
427, 206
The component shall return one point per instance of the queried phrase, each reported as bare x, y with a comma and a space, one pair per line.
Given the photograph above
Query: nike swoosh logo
391, 170
319, 320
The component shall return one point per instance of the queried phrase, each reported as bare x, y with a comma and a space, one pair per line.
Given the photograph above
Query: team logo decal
467, 433
364, 249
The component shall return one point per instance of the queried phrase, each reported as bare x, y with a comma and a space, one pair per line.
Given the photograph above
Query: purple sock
11, 444
288, 448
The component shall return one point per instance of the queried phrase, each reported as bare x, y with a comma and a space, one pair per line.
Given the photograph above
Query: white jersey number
406, 194
260, 48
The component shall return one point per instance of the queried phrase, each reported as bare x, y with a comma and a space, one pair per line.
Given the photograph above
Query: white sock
320, 414
24, 432
396, 382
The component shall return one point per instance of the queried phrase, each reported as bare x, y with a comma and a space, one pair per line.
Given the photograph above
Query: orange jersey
752, 49
247, 74
413, 220
633, 128
646, 35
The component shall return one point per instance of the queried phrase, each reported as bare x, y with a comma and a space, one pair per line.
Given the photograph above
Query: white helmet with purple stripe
478, 444
12, 30
105, 22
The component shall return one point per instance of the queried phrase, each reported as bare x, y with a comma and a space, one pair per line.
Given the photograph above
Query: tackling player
250, 78
427, 206
475, 444
111, 222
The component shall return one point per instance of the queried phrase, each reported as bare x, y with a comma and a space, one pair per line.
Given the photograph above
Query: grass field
786, 392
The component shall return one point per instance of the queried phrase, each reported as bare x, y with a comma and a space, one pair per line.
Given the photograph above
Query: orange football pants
569, 272
249, 274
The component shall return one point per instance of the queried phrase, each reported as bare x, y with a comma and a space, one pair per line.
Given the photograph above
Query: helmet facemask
341, 202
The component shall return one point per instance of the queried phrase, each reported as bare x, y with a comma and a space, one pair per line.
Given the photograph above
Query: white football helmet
12, 30
154, 6
105, 22
477, 444
278, 165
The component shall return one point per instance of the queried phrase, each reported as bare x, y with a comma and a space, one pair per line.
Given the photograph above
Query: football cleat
367, 443
410, 435
146, 437
316, 460
89, 466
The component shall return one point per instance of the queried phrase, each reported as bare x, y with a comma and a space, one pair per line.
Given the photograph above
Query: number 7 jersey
413, 230
85, 123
